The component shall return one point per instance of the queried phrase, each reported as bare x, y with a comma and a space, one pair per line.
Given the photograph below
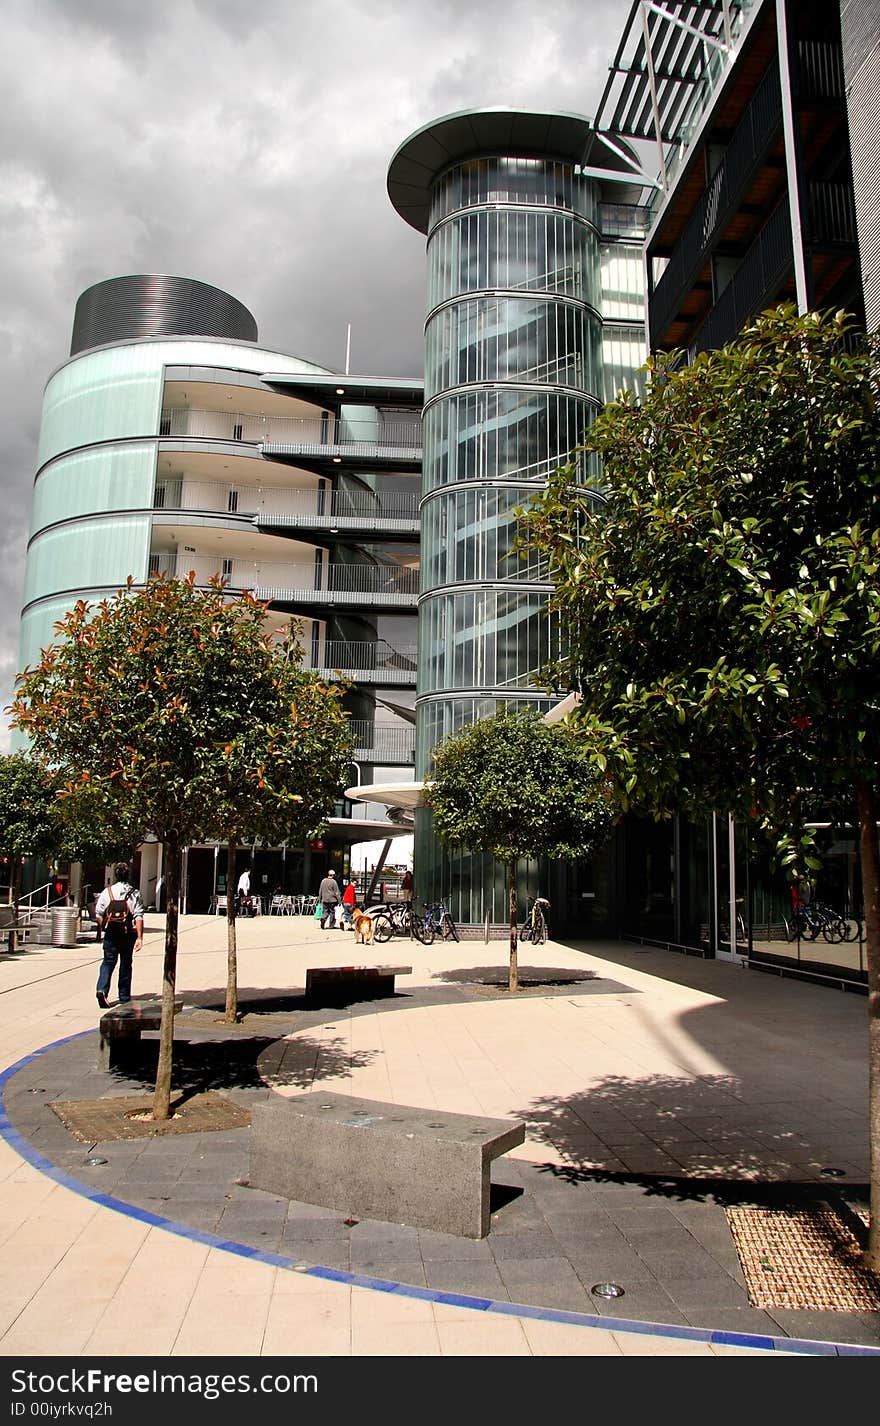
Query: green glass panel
103, 478
92, 554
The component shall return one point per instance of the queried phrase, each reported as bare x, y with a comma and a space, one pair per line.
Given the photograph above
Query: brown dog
363, 927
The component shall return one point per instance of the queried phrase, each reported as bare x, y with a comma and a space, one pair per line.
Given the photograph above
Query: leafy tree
159, 701
292, 794
87, 830
515, 787
723, 612
27, 821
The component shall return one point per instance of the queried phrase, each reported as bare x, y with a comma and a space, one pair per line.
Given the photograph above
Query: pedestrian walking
119, 912
329, 898
349, 897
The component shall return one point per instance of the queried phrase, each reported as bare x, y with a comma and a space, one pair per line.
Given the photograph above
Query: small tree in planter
147, 699
298, 739
515, 787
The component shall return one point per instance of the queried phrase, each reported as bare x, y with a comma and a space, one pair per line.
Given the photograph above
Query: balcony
325, 586
377, 662
388, 746
832, 214
288, 437
754, 134
278, 508
753, 286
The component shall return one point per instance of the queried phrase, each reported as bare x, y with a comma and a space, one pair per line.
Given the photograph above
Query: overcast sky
246, 146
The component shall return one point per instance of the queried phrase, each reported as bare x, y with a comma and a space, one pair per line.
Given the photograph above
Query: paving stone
477, 1279
446, 1248
537, 1243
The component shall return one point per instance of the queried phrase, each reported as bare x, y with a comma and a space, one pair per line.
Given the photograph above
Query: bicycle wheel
383, 929
525, 933
834, 929
448, 929
422, 930
810, 929
539, 930
852, 929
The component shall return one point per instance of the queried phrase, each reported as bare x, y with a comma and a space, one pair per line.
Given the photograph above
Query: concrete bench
422, 1167
121, 1027
365, 982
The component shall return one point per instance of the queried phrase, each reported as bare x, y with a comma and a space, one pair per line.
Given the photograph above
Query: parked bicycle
438, 920
400, 918
534, 928
813, 918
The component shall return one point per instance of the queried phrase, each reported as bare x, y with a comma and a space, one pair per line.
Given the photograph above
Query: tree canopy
28, 821
721, 614
170, 704
514, 786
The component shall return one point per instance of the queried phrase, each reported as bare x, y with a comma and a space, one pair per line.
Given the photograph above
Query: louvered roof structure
667, 65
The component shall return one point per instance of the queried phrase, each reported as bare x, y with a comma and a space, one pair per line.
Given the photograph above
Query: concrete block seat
368, 1159
121, 1028
364, 982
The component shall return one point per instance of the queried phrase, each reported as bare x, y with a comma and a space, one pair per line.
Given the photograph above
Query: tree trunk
513, 982
162, 1097
14, 894
231, 943
870, 857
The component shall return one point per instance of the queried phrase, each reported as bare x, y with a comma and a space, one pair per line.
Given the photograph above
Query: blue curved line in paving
16, 1141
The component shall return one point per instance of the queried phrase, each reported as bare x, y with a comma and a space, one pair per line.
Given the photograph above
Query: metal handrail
276, 503
364, 656
221, 425
267, 575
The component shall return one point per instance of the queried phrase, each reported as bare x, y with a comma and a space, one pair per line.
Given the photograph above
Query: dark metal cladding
860, 30
154, 305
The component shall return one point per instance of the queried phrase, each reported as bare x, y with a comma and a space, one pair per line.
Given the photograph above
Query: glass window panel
99, 479
97, 554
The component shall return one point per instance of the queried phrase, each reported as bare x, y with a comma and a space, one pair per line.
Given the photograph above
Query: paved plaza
661, 1096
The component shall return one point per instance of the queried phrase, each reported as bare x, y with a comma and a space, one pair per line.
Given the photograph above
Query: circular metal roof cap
516, 133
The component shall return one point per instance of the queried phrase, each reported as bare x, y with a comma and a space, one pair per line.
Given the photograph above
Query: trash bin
65, 924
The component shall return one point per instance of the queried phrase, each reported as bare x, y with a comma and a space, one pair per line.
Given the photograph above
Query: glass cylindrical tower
513, 371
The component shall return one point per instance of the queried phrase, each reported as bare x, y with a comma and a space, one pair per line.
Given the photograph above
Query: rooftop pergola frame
671, 55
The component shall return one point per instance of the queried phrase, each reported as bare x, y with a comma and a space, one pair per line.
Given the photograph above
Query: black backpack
118, 915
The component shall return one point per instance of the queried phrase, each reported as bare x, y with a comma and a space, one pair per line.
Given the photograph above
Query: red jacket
349, 896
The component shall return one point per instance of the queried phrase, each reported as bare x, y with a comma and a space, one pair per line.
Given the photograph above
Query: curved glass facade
513, 373
530, 340
530, 251
93, 494
500, 433
514, 182
468, 534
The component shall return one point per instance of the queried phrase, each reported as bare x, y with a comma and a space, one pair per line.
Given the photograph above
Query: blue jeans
329, 916
122, 951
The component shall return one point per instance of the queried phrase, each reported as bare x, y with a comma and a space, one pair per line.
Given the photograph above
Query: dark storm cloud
247, 147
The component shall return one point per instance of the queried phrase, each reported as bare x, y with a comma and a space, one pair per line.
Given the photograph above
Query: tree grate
804, 1258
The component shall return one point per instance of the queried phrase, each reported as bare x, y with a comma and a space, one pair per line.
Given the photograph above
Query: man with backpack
119, 912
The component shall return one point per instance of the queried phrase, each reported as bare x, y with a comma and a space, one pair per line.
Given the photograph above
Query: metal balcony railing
317, 431
819, 70
751, 138
376, 743
278, 505
832, 209
365, 662
753, 285
276, 580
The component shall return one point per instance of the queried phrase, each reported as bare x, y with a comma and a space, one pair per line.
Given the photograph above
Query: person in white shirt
245, 905
119, 912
